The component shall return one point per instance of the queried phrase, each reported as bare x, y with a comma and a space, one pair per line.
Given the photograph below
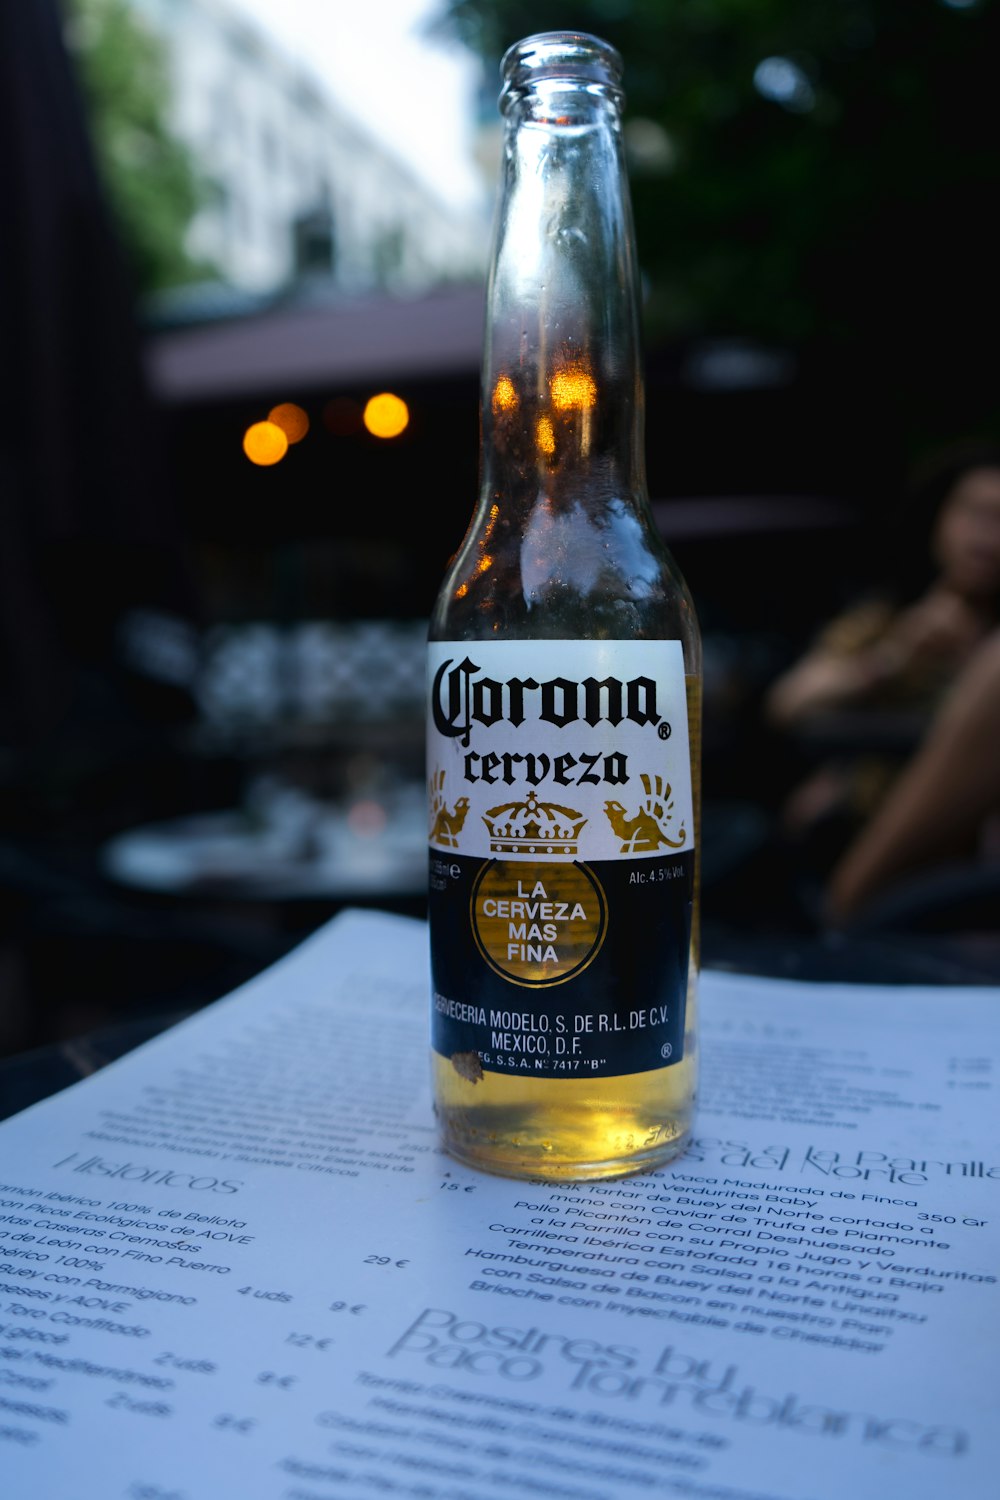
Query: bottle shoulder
559, 578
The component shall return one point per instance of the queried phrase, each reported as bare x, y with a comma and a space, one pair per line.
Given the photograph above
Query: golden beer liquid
581, 1128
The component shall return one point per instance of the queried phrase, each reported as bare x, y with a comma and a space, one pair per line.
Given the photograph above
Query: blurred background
243, 250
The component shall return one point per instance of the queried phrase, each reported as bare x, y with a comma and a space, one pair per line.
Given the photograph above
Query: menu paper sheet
235, 1263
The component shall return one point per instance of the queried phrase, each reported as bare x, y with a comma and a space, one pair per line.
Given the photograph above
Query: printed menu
236, 1263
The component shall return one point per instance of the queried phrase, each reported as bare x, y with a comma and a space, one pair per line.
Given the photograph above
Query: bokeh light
784, 82
292, 420
264, 444
367, 818
544, 436
504, 395
386, 415
573, 389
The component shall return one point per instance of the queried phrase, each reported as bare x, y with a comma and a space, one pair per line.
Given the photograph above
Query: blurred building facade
296, 188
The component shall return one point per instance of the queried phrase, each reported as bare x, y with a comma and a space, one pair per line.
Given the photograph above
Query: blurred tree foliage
820, 170
151, 180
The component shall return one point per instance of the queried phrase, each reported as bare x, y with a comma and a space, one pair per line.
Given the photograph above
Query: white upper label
573, 750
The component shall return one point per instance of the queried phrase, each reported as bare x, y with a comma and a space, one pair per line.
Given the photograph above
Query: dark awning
304, 345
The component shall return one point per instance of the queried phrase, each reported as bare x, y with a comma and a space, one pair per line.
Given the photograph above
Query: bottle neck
562, 398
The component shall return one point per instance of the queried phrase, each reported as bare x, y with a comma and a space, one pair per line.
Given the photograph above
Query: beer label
562, 855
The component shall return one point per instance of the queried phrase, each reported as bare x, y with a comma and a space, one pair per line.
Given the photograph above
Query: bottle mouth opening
573, 56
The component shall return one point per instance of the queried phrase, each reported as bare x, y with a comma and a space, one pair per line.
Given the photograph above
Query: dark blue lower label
560, 970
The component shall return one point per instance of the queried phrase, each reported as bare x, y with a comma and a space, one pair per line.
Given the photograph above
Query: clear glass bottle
564, 689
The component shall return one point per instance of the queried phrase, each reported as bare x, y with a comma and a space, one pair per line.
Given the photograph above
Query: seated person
899, 651
944, 807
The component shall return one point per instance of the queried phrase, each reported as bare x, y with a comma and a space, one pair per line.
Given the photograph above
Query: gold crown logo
533, 827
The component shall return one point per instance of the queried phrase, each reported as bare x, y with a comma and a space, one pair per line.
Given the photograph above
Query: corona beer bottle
564, 689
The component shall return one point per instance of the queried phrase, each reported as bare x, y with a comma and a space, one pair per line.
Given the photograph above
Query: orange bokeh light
544, 436
386, 415
292, 420
504, 394
264, 444
573, 389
